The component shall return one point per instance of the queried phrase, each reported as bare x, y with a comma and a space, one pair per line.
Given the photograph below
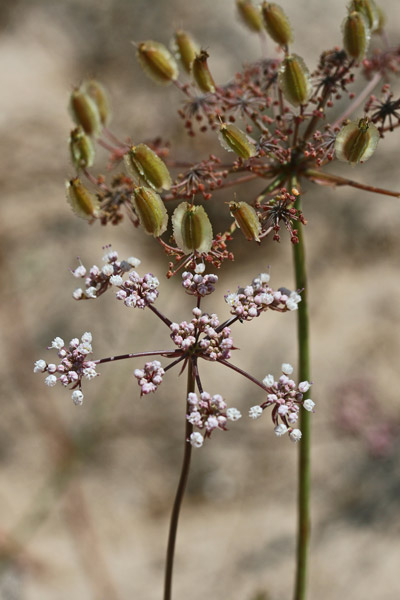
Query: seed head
142, 161
356, 142
151, 210
192, 228
157, 62
81, 148
276, 23
294, 80
233, 139
246, 219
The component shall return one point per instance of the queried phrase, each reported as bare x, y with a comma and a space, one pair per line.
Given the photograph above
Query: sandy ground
96, 527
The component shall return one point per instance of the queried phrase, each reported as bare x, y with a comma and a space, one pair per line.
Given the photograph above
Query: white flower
77, 397
91, 292
87, 337
192, 398
248, 290
74, 343
79, 271
77, 294
195, 418
138, 373
85, 348
280, 429
231, 299
283, 410
90, 373
268, 381
196, 439
116, 280
295, 297
107, 269
255, 412
110, 256
264, 277
52, 368
51, 380
292, 418
291, 304
134, 262
295, 435
200, 268
233, 414
304, 386
308, 405
152, 282
211, 423
57, 343
39, 366
287, 369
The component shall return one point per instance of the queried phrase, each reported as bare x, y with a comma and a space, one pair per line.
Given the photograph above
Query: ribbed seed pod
233, 139
356, 35
81, 148
294, 80
276, 23
83, 203
151, 210
186, 49
85, 113
382, 19
370, 11
98, 93
201, 73
250, 15
356, 142
157, 62
142, 161
192, 228
246, 219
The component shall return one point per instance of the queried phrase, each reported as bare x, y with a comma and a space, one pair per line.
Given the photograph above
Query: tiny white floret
269, 381
280, 429
57, 343
135, 262
308, 404
116, 280
51, 380
77, 294
39, 366
107, 270
196, 439
287, 369
304, 386
200, 268
233, 414
77, 397
295, 435
255, 412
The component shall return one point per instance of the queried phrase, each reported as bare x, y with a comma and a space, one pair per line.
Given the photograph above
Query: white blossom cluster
197, 284
98, 280
252, 300
73, 366
286, 398
213, 345
208, 413
150, 377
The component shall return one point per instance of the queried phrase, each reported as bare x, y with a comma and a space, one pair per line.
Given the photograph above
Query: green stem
303, 523
169, 563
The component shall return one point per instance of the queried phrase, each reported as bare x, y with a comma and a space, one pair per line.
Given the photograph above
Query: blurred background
86, 493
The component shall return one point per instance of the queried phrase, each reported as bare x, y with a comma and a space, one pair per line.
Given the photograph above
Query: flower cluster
138, 291
100, 279
198, 285
286, 397
73, 366
213, 346
208, 413
251, 301
150, 377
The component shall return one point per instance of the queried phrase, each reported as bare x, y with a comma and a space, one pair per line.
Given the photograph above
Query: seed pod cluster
356, 142
192, 228
246, 219
83, 202
157, 62
151, 210
141, 161
276, 23
250, 15
235, 140
294, 80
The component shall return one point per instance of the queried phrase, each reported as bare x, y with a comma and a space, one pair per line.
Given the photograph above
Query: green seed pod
192, 228
356, 35
157, 62
233, 139
98, 93
83, 203
246, 219
356, 142
81, 148
142, 161
276, 23
250, 15
201, 73
369, 9
151, 210
382, 19
294, 80
85, 113
185, 48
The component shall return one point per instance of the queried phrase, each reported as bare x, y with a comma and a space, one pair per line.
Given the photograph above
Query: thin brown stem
335, 180
163, 318
244, 373
180, 491
137, 355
